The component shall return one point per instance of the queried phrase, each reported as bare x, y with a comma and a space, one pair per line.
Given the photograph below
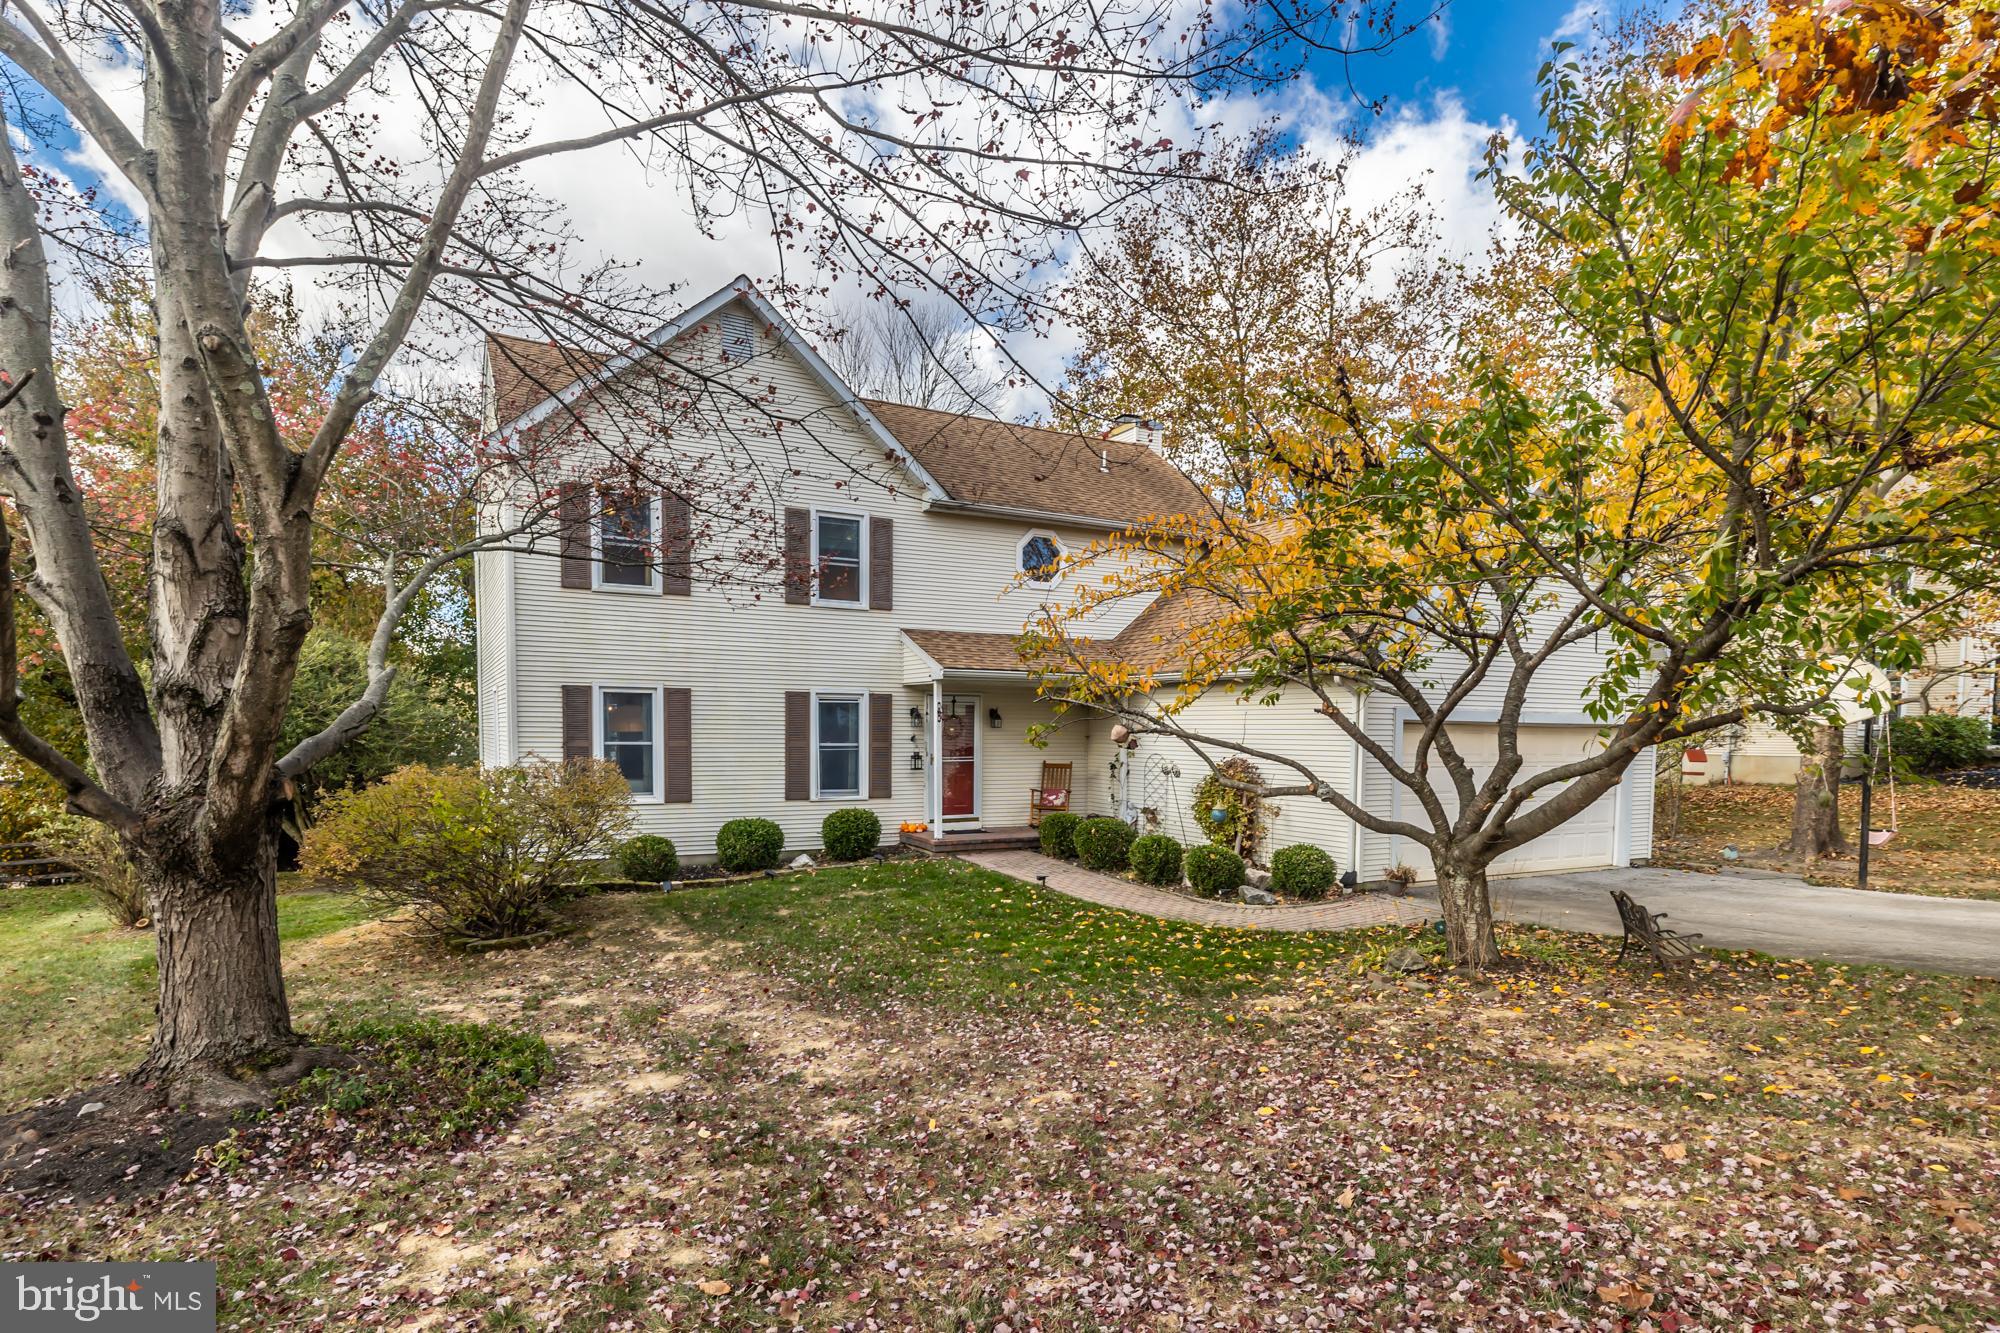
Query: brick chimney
1133, 429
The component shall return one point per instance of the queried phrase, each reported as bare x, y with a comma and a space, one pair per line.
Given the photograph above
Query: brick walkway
1367, 909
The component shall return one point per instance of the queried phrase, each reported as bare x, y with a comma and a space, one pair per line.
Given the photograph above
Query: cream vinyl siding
1163, 797
493, 608
1009, 766
1614, 831
737, 651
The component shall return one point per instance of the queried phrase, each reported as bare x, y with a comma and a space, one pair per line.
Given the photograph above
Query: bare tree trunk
221, 989
1468, 915
1816, 799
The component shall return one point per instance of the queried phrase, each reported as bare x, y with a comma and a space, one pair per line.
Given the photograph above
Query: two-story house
874, 663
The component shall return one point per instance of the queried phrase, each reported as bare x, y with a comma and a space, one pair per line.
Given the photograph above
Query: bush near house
473, 853
93, 851
1156, 859
1104, 843
649, 859
749, 844
850, 835
1059, 834
1936, 742
1303, 871
1230, 817
1213, 871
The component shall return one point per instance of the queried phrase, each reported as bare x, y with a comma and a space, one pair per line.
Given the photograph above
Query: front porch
981, 721
966, 840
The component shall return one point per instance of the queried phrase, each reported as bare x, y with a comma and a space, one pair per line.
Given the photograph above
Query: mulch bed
134, 1145
1981, 779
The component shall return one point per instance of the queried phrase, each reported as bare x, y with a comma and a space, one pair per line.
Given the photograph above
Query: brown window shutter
881, 564
798, 745
798, 556
573, 521
680, 746
576, 723
676, 546
880, 760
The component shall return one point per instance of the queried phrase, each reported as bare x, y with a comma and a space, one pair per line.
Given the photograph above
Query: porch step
975, 840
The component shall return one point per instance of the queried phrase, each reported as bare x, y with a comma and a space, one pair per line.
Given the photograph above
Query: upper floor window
625, 532
839, 541
628, 734
1041, 558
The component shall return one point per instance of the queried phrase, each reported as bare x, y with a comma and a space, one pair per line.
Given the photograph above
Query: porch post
937, 760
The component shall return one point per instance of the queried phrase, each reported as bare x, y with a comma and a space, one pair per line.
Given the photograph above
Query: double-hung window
839, 544
627, 526
628, 734
837, 745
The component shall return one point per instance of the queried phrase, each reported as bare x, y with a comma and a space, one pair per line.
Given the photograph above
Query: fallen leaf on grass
715, 1286
1625, 1296
1674, 1152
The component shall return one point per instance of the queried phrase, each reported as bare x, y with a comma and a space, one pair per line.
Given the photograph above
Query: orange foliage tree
1692, 438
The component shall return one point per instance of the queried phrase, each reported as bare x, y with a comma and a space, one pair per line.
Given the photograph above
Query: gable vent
739, 336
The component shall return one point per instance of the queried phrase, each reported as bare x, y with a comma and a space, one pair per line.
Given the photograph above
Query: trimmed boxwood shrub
1213, 871
1303, 871
749, 844
1059, 834
1935, 742
1103, 843
849, 835
1156, 859
649, 859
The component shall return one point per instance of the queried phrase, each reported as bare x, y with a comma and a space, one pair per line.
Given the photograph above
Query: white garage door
1580, 843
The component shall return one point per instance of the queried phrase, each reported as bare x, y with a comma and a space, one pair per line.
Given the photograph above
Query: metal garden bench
1644, 931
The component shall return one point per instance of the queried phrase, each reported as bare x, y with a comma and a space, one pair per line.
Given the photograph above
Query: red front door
957, 764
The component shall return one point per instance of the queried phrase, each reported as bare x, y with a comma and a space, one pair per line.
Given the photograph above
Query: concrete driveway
1773, 913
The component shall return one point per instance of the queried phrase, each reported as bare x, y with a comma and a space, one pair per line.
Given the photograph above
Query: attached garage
1590, 839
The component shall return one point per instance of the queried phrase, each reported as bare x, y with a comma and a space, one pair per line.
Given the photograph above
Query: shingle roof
977, 460
964, 650
980, 461
1155, 638
1158, 634
527, 370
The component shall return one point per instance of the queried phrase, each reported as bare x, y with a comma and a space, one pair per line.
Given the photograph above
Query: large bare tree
383, 149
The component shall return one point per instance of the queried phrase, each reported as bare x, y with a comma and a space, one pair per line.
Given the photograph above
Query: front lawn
924, 1096
76, 992
1948, 844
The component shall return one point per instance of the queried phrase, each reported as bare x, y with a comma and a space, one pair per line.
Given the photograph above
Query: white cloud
1439, 27
624, 208
1577, 24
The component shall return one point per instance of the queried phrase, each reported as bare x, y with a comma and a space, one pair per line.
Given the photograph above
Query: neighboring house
879, 667
1958, 679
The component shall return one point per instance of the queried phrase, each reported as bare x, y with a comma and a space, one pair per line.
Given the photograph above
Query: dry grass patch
801, 1131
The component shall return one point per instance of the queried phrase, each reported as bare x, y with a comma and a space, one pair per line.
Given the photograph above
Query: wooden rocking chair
1052, 794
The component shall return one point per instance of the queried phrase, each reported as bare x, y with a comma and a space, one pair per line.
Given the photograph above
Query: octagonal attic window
1041, 558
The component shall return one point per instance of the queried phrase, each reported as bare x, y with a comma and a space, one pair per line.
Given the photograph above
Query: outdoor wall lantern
916, 762
993, 718
916, 716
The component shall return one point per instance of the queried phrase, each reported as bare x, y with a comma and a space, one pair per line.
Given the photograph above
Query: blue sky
1445, 89
1486, 56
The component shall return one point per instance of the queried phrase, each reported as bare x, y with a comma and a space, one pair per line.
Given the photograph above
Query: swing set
1882, 837
1870, 835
